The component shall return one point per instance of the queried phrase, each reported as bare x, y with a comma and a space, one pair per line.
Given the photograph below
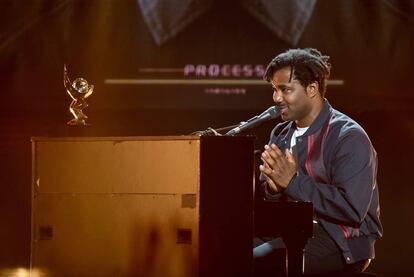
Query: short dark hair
307, 65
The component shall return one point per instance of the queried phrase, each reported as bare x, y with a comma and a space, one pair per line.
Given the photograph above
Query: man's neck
312, 115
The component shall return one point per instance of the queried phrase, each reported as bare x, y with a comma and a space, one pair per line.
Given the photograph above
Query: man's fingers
278, 157
273, 151
271, 177
276, 149
265, 170
266, 158
277, 166
272, 185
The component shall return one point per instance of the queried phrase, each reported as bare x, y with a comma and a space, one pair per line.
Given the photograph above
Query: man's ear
312, 89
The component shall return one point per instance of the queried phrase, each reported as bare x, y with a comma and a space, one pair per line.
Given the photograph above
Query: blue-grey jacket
337, 168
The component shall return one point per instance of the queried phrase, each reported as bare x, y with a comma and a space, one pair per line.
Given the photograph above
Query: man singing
320, 155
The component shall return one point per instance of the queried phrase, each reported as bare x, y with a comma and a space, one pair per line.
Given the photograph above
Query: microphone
270, 113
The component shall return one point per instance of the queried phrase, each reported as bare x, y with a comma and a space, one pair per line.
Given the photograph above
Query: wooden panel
118, 207
114, 235
163, 166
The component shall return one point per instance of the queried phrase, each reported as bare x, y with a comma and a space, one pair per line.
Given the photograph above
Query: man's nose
277, 97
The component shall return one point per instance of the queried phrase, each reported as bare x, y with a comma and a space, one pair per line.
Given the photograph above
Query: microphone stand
268, 114
214, 132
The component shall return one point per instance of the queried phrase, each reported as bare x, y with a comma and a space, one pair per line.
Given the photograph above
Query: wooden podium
142, 206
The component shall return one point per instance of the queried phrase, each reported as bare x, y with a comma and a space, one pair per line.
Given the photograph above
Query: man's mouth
283, 109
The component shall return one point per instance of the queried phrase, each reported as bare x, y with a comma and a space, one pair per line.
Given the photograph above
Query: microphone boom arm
268, 114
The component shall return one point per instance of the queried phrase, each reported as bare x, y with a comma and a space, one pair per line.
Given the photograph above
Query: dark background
371, 47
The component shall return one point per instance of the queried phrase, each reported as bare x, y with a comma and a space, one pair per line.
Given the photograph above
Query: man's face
291, 97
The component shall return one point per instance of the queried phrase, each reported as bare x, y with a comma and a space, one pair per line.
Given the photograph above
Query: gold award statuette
78, 90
